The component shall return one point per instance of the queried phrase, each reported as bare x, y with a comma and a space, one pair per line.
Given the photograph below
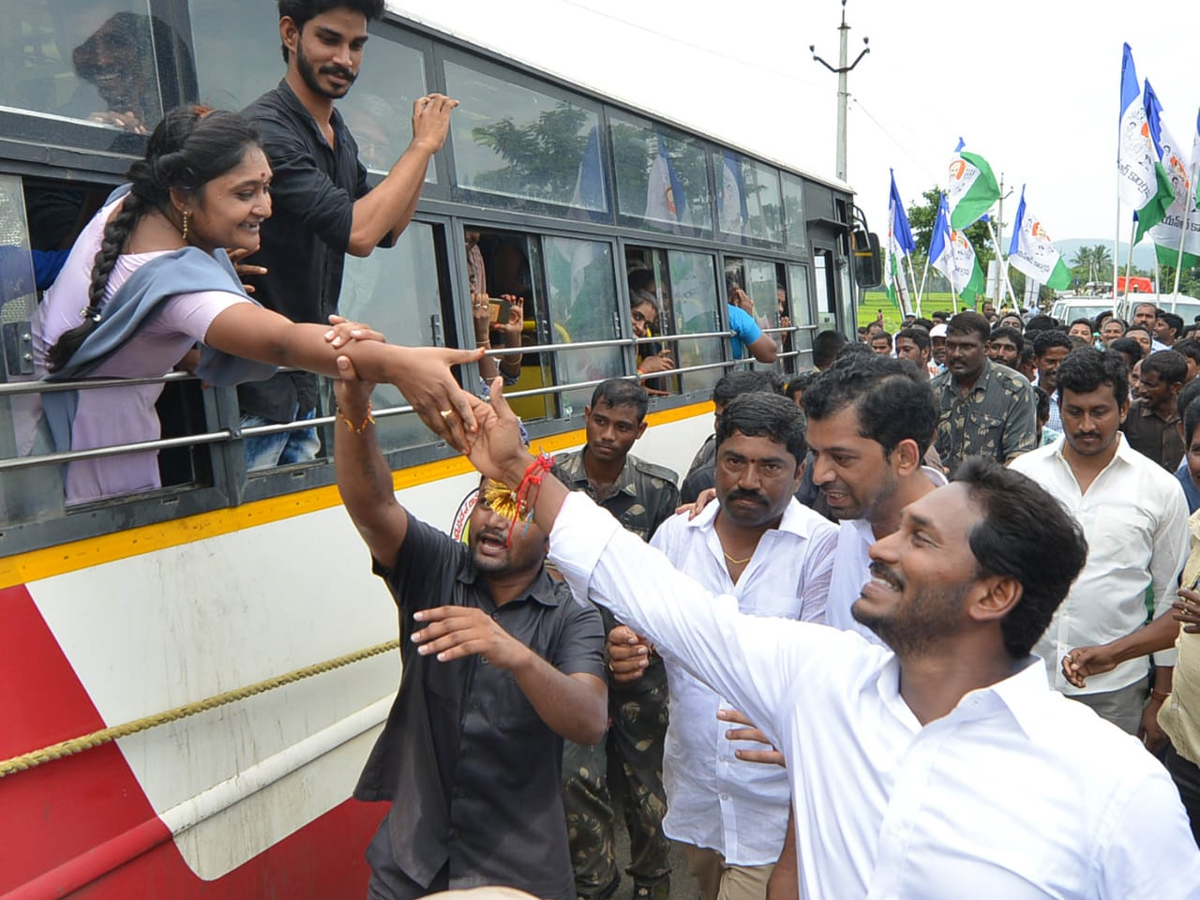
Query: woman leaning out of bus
149, 277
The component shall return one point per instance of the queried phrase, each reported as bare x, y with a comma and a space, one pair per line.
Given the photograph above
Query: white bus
193, 676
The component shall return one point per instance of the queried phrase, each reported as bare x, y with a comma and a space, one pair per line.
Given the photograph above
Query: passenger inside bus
202, 187
497, 321
743, 321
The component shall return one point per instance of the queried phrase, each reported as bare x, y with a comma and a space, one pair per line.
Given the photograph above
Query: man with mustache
1135, 518
469, 757
940, 762
629, 762
762, 547
983, 409
323, 206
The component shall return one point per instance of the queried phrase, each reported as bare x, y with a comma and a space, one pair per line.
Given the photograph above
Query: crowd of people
888, 648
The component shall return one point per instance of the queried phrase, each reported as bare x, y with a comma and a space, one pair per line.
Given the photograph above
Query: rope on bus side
105, 735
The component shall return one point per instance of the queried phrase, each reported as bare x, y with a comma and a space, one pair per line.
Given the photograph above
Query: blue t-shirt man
744, 328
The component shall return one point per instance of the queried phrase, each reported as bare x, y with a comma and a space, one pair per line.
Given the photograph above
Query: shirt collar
292, 102
542, 589
574, 466
1125, 453
794, 521
1023, 694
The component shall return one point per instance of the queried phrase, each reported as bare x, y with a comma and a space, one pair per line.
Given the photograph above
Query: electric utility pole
843, 94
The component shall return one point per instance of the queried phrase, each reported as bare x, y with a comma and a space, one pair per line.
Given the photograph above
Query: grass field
874, 301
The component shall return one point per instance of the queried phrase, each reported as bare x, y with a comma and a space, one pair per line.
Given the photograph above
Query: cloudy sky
1032, 85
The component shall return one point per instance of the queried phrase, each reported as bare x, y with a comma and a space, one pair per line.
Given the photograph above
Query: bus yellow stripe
94, 551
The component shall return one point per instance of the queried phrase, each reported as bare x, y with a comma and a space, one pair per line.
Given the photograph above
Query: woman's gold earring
185, 226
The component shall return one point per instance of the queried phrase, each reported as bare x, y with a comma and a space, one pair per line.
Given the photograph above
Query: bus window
236, 65
683, 288
110, 63
802, 316
753, 286
793, 211
404, 293
662, 180
748, 204
512, 143
35, 493
581, 292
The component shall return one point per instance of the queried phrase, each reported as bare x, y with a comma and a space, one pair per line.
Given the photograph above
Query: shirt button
452, 834
725, 797
473, 706
496, 615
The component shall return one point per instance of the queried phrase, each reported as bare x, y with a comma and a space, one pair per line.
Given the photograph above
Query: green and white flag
973, 189
1181, 172
952, 254
1033, 253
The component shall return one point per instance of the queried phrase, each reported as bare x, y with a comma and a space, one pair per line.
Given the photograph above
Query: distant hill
1143, 253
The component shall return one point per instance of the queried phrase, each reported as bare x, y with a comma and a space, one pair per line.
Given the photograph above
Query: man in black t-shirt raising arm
471, 753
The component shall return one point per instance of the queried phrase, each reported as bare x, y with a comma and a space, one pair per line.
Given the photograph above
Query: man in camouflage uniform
983, 409
628, 763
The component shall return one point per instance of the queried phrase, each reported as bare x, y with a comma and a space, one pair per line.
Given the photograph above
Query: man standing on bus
471, 752
322, 208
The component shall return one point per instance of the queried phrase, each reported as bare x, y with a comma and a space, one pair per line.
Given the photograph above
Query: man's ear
641, 429
289, 34
1001, 593
907, 457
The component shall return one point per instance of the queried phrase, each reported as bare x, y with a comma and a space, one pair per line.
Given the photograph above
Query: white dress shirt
995, 801
715, 800
1134, 516
851, 569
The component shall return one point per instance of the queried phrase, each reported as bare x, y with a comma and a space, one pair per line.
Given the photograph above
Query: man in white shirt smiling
1134, 515
761, 546
942, 767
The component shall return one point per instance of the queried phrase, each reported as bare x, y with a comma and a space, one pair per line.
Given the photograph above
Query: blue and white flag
900, 237
665, 199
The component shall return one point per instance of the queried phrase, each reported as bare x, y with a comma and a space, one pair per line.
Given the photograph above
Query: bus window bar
214, 437
50, 387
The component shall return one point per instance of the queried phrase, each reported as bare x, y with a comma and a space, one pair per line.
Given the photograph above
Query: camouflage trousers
626, 769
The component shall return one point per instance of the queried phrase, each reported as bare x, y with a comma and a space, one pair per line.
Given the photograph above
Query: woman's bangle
1160, 696
368, 419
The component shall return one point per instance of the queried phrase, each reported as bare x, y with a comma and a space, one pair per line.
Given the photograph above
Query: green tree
542, 157
1082, 265
921, 218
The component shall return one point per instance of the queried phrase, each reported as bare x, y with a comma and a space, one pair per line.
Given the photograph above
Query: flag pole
921, 292
1129, 260
1002, 263
1187, 215
1116, 256
912, 277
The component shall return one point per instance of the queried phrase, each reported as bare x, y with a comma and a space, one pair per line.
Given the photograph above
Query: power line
903, 149
686, 43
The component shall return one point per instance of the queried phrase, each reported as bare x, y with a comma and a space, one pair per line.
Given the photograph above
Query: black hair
640, 278
1088, 369
1046, 340
300, 11
799, 384
1082, 321
893, 402
1173, 321
826, 346
1191, 418
1026, 355
765, 415
1040, 323
920, 322
882, 334
1149, 303
969, 323
918, 336
187, 149
741, 381
1124, 325
733, 277
1190, 392
858, 348
1025, 534
1042, 400
1128, 348
940, 314
1007, 331
1100, 319
1170, 366
621, 392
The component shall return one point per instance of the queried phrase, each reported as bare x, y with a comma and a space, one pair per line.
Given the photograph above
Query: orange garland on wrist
357, 429
527, 491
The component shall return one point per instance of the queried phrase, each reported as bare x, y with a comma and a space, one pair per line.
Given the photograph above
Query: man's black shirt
473, 772
304, 242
